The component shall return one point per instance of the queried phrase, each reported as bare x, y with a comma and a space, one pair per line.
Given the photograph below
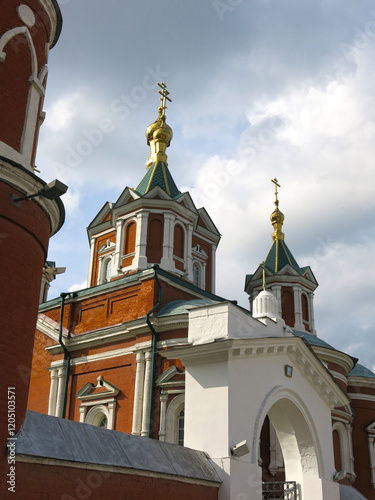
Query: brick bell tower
30, 210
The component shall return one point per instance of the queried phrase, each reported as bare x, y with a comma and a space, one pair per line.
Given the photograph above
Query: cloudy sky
260, 89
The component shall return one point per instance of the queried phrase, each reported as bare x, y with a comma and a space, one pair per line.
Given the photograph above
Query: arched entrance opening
295, 436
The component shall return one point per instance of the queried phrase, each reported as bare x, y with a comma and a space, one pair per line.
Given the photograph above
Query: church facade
149, 349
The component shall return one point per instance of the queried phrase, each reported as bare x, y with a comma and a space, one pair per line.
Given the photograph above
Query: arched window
342, 446
287, 306
305, 311
175, 420
181, 427
20, 60
178, 241
337, 450
129, 240
129, 243
179, 247
106, 270
196, 274
98, 416
154, 249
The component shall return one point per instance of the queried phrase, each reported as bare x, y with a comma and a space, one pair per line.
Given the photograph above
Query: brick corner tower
27, 32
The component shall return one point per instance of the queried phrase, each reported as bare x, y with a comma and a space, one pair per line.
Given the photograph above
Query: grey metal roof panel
145, 454
91, 444
193, 462
44, 436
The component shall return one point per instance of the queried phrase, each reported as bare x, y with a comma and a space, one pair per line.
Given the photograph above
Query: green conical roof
158, 174
279, 256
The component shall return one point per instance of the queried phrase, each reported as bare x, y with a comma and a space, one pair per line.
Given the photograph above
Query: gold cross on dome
164, 97
276, 185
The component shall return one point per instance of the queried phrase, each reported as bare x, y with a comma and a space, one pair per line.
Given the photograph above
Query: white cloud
78, 286
60, 115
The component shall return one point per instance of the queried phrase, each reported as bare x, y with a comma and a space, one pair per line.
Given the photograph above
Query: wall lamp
240, 449
51, 191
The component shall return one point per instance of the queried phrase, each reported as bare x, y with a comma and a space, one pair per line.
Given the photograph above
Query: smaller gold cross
164, 97
276, 185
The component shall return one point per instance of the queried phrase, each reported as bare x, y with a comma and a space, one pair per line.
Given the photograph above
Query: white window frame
172, 418
95, 415
371, 449
344, 432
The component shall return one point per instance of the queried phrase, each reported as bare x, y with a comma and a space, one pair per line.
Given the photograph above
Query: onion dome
277, 217
159, 134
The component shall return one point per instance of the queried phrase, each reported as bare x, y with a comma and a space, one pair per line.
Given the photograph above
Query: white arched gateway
239, 370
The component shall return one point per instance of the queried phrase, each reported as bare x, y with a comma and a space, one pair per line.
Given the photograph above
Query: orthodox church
147, 384
149, 349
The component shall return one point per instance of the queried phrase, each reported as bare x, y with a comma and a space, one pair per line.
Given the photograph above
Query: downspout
153, 348
67, 353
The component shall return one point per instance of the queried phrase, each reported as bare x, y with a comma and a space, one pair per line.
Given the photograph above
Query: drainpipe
67, 353
153, 349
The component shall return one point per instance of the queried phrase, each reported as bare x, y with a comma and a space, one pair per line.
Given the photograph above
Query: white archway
298, 437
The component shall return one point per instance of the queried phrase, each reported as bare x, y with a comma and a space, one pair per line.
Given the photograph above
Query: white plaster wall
225, 320
227, 401
206, 409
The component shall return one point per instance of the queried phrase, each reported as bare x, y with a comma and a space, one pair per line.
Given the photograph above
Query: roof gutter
67, 353
153, 348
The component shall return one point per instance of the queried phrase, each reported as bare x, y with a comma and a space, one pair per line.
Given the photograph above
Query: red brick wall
23, 249
36, 482
107, 309
40, 379
363, 416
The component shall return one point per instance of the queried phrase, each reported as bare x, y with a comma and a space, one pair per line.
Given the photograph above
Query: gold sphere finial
159, 134
277, 217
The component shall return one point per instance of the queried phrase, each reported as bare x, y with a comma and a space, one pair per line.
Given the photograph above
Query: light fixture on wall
240, 449
51, 191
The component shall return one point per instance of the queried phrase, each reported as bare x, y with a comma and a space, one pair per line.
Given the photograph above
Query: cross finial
164, 97
276, 192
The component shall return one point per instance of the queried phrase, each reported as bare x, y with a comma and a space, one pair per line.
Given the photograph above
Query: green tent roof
279, 256
158, 175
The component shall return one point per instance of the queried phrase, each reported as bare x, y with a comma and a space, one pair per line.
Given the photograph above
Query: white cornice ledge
294, 347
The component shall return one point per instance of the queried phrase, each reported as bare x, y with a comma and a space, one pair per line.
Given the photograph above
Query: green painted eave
114, 285
158, 174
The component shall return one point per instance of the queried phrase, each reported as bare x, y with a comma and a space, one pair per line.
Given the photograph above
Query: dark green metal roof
361, 371
183, 306
279, 256
312, 340
158, 175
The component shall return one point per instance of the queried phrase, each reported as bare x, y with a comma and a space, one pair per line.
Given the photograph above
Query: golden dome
159, 130
159, 134
277, 217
